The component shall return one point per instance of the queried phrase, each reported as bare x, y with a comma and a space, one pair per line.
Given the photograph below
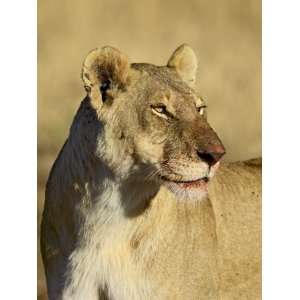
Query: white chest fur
145, 256
109, 263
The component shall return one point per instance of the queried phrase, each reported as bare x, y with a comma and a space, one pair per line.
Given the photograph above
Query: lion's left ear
184, 61
104, 72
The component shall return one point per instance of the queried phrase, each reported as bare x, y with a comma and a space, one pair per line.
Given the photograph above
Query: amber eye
160, 110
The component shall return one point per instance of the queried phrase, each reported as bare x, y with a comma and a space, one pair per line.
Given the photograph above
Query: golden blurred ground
226, 36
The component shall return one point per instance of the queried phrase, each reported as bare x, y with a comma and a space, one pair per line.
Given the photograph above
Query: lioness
127, 213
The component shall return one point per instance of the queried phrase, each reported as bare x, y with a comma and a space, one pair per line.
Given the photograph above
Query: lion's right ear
184, 61
104, 73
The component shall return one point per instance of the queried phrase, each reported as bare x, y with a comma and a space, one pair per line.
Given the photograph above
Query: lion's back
236, 197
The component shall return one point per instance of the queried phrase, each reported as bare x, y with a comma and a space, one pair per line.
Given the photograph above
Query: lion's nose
211, 155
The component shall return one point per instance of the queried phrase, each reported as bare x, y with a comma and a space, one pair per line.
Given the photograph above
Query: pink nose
212, 154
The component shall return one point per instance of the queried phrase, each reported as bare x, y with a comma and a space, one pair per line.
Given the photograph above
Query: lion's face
156, 124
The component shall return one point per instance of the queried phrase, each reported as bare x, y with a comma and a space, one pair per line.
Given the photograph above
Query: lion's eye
161, 111
201, 110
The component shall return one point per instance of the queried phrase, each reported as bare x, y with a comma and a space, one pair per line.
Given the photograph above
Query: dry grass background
226, 36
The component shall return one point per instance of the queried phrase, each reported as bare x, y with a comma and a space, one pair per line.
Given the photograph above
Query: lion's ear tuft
184, 61
103, 70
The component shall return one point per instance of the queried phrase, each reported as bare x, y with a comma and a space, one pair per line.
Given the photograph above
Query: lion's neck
97, 187
87, 185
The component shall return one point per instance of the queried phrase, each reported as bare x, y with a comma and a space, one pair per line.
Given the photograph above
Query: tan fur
116, 225
185, 62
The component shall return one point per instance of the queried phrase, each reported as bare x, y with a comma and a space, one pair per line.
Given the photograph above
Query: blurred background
226, 36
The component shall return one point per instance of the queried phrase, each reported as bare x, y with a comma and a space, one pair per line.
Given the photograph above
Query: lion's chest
156, 263
125, 261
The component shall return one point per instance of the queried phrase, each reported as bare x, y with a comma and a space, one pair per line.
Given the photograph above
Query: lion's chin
196, 190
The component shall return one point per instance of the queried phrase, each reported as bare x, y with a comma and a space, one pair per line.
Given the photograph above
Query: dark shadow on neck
136, 196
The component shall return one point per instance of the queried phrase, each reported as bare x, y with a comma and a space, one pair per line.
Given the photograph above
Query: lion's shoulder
241, 168
255, 162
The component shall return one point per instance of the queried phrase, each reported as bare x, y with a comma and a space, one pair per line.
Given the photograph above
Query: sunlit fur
110, 228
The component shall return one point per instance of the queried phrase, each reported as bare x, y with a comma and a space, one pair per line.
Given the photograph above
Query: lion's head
149, 122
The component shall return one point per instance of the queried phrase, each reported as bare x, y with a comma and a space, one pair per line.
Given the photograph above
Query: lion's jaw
186, 179
193, 185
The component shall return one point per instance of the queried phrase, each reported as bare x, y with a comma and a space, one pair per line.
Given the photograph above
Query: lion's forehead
163, 84
164, 76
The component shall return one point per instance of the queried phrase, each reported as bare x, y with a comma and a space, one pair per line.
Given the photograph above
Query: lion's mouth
198, 183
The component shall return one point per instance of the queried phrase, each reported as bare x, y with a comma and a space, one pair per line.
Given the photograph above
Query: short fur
123, 218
